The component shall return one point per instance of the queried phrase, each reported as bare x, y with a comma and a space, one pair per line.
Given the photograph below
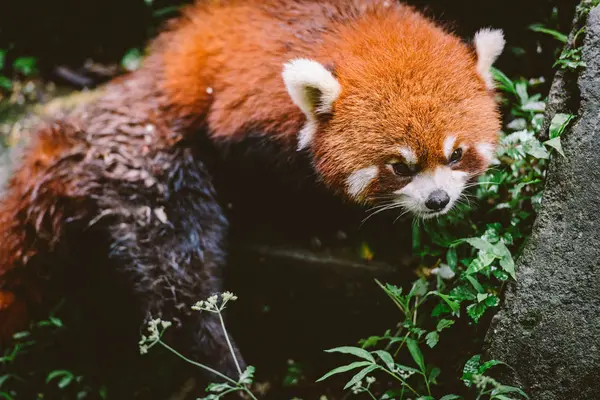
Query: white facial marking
486, 150
303, 78
409, 155
489, 44
414, 195
358, 181
449, 146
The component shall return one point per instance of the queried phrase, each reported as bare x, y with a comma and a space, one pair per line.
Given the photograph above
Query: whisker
388, 207
401, 215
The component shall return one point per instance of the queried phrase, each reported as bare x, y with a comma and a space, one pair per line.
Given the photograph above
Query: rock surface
549, 327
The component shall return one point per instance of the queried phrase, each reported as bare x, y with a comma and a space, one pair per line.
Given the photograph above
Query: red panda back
222, 61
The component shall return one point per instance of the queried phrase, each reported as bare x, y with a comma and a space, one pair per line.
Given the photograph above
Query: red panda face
415, 152
404, 124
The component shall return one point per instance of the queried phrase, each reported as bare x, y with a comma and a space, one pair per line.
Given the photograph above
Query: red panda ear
313, 89
489, 44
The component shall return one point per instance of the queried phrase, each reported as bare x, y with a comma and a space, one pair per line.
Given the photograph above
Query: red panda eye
456, 156
401, 169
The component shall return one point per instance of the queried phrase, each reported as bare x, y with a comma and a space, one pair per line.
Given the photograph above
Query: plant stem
427, 384
237, 365
414, 320
401, 344
401, 380
249, 393
197, 364
398, 332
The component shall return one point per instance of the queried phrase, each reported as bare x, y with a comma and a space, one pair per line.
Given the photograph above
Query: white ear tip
491, 36
293, 67
489, 44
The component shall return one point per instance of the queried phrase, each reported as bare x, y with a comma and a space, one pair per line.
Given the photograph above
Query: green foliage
570, 57
27, 66
561, 37
24, 67
469, 256
215, 304
59, 383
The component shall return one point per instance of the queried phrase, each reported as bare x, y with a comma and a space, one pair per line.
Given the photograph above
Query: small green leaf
419, 288
452, 303
508, 389
559, 123
505, 84
360, 375
247, 376
476, 285
521, 87
471, 368
536, 106
433, 375
508, 265
20, 335
561, 37
386, 358
344, 368
57, 373
25, 65
218, 387
489, 364
480, 244
65, 381
5, 83
432, 339
452, 258
500, 275
555, 144
355, 351
415, 352
371, 341
482, 296
443, 324
535, 148
450, 397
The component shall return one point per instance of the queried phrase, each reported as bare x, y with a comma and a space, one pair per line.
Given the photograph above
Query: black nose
437, 200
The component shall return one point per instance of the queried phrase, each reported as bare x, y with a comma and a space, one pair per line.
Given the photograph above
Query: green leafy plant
467, 256
570, 57
16, 377
215, 304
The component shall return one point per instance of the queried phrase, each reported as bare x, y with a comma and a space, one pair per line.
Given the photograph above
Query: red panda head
407, 116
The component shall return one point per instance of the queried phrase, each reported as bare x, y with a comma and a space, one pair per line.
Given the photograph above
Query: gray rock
549, 327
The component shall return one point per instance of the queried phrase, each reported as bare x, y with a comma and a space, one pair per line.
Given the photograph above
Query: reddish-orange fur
404, 80
28, 229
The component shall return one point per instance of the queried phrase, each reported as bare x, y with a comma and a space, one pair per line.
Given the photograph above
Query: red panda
389, 106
